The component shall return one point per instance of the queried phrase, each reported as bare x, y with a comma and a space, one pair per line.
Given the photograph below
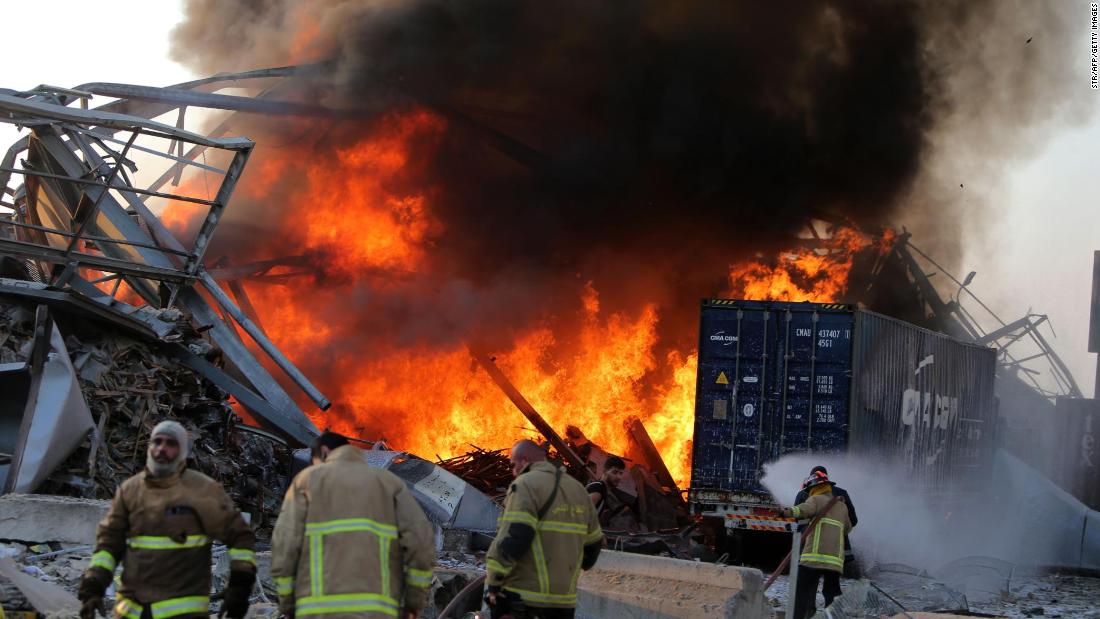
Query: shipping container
1077, 459
777, 378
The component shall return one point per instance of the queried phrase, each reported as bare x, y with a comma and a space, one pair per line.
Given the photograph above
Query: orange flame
818, 275
367, 207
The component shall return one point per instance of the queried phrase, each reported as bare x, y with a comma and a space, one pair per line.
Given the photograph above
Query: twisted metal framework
74, 214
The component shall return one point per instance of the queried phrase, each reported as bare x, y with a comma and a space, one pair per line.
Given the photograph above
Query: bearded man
159, 528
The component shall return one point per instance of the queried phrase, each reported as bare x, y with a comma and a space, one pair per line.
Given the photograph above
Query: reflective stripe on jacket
351, 540
546, 575
159, 529
824, 546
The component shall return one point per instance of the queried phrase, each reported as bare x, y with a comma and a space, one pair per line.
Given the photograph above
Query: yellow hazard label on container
722, 380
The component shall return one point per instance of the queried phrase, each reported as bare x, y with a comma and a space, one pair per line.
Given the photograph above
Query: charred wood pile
487, 470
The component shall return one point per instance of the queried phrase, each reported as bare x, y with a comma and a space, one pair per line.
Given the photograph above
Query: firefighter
159, 528
546, 535
851, 566
823, 551
350, 540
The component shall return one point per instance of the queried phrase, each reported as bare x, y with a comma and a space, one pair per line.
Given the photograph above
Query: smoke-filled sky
981, 136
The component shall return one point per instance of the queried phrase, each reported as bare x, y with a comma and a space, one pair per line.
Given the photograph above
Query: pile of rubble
129, 386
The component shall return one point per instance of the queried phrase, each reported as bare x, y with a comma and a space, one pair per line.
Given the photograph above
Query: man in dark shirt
851, 568
613, 470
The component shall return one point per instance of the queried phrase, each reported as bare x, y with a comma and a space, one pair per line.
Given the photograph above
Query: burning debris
488, 471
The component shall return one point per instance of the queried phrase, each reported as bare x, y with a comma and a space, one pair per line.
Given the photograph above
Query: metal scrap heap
129, 385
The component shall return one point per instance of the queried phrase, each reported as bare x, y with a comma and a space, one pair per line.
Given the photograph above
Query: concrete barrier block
644, 587
37, 518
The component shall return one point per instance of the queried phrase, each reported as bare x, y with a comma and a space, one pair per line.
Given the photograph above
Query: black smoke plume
644, 146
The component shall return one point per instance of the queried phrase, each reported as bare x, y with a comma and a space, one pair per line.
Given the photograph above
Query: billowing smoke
614, 139
636, 149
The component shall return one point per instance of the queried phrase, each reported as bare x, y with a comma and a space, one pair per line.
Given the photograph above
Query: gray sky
1032, 248
1036, 251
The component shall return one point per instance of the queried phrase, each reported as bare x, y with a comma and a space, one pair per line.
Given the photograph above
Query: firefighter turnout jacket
160, 530
351, 541
544, 538
824, 546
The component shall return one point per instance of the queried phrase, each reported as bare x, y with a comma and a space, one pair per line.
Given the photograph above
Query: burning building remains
445, 213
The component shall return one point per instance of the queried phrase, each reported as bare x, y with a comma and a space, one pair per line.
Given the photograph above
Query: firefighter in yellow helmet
547, 534
351, 540
159, 528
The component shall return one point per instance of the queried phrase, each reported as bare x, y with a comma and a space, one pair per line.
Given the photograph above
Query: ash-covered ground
1028, 595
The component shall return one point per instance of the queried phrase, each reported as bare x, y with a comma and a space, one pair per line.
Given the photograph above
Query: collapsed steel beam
955, 319
238, 354
20, 110
179, 97
635, 429
152, 109
113, 265
530, 413
69, 181
1024, 325
89, 301
262, 340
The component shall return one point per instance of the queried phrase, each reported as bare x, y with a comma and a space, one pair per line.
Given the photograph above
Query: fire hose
805, 534
461, 602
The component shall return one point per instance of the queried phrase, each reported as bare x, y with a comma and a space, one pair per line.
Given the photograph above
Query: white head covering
176, 431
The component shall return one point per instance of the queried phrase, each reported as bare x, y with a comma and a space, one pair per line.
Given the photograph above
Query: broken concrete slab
46, 598
34, 518
644, 587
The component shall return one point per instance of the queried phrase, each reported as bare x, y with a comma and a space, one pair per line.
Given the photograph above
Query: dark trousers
533, 612
851, 566
805, 595
511, 606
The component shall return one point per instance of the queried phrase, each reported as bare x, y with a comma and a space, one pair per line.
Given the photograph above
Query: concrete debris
44, 597
38, 518
629, 585
1057, 595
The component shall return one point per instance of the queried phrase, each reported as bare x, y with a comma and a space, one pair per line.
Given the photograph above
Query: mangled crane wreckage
81, 229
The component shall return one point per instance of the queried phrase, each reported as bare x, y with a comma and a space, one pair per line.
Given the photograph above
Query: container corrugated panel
777, 378
925, 401
1078, 427
773, 379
